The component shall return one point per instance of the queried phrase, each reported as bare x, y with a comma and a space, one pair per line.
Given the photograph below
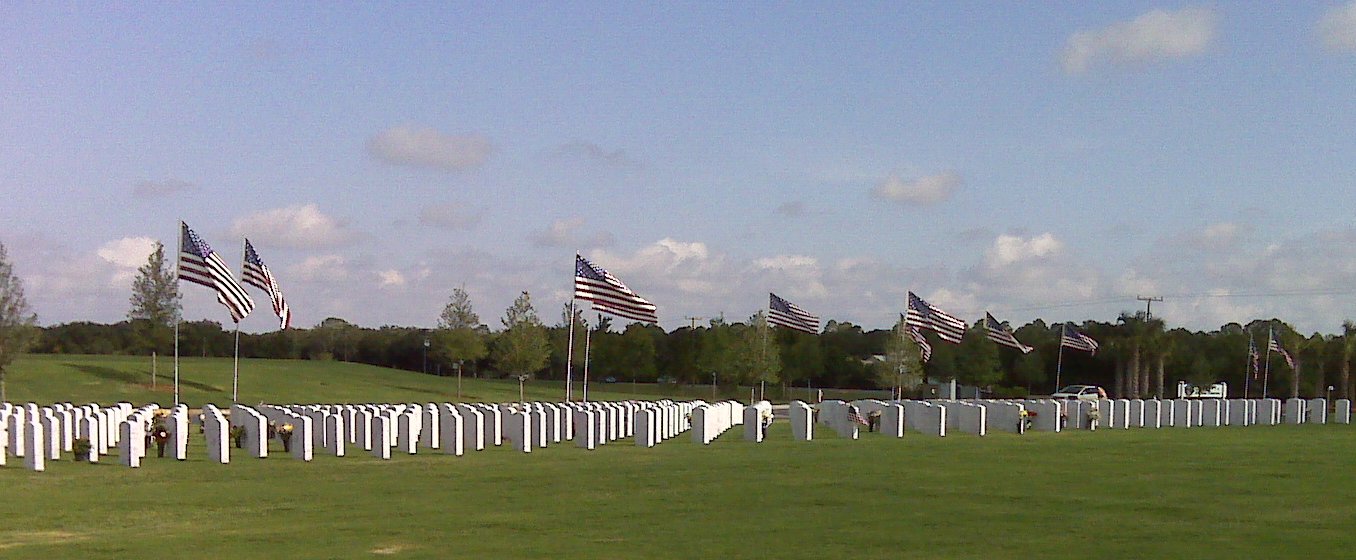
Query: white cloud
157, 189
1157, 35
320, 268
566, 233
426, 147
1008, 249
298, 227
1337, 28
921, 191
449, 216
390, 278
128, 252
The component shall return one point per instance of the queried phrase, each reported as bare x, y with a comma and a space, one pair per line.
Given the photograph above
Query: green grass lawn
1198, 493
47, 378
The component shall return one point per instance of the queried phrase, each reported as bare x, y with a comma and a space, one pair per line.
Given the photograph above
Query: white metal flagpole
569, 356
1059, 360
235, 376
1266, 377
587, 338
178, 317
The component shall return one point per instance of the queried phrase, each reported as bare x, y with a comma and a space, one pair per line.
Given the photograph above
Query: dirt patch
15, 539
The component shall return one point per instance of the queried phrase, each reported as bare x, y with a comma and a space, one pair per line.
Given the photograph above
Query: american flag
199, 264
786, 314
855, 416
924, 349
1255, 357
924, 316
256, 274
1071, 338
1002, 335
1275, 346
609, 294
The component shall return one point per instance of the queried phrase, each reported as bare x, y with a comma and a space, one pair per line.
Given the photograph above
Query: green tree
460, 337
155, 302
903, 364
522, 348
977, 361
1029, 370
17, 321
756, 358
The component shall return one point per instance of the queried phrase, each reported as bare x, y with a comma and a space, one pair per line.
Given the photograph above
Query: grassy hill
45, 378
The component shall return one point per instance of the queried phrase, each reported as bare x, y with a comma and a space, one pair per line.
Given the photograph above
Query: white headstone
335, 434
381, 436
177, 424
451, 431
802, 421
1316, 411
33, 445
1342, 411
215, 432
584, 435
132, 444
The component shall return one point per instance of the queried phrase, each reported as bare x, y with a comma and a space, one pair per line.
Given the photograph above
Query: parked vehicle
1080, 392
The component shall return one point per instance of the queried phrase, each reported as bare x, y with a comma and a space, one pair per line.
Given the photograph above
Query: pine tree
155, 301
460, 336
523, 347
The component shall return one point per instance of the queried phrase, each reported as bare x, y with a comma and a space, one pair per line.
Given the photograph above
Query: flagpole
587, 337
569, 347
1266, 376
1059, 360
235, 376
235, 368
1247, 364
178, 317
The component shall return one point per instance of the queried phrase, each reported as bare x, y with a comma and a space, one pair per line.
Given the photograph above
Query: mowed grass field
47, 378
1287, 492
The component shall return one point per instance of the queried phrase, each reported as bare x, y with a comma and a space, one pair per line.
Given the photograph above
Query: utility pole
1148, 305
694, 320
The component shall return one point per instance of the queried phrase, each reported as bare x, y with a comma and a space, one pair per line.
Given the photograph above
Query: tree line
1138, 355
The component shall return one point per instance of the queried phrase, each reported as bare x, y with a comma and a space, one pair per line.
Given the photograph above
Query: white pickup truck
1080, 392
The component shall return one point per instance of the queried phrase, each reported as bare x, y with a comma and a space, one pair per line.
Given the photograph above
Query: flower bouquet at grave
285, 434
1026, 419
238, 436
272, 429
1093, 416
160, 434
81, 447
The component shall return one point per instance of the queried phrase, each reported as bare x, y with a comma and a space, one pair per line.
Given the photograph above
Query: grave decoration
161, 436
81, 447
1027, 417
285, 435
238, 436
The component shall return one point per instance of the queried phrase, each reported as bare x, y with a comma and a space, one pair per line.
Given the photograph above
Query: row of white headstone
979, 417
453, 429
37, 434
40, 434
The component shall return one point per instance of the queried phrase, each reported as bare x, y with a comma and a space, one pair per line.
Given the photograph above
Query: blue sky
1045, 160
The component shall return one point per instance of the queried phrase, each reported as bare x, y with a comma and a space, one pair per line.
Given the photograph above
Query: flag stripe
786, 314
607, 293
923, 315
257, 274
1071, 338
199, 264
1001, 335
